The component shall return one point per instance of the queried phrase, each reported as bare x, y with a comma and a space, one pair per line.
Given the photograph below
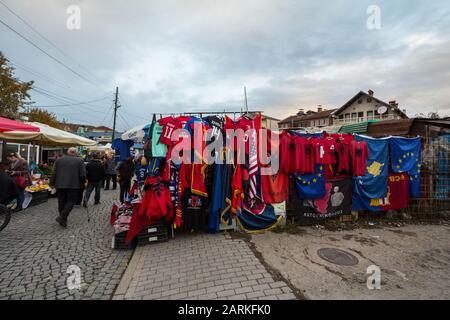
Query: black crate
38, 198
154, 229
118, 241
153, 238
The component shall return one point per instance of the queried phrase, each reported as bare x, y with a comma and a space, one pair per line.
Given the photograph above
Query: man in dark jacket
125, 170
111, 174
68, 176
95, 173
8, 190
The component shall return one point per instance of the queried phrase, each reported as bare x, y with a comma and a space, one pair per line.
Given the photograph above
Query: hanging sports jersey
304, 155
406, 157
158, 149
275, 188
244, 124
311, 186
289, 163
216, 124
156, 203
374, 184
359, 153
193, 211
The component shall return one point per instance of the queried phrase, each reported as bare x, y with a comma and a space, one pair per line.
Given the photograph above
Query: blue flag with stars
406, 156
311, 186
374, 184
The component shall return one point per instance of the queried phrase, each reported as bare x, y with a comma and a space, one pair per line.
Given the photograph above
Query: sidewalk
200, 266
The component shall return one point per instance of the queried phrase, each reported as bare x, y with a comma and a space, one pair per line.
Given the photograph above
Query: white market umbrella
136, 134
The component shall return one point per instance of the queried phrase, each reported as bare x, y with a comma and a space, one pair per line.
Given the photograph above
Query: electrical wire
46, 39
46, 53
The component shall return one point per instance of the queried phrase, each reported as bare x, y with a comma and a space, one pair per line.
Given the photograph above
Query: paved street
200, 267
35, 253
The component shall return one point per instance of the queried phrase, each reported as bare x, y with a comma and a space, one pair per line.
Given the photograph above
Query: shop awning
360, 127
47, 136
137, 133
7, 125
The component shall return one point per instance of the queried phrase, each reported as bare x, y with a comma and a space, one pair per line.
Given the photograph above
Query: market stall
312, 176
43, 135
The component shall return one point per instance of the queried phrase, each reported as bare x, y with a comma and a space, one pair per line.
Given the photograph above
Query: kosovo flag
406, 156
374, 184
311, 186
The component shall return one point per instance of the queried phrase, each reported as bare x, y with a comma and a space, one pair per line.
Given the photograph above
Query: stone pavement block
287, 296
225, 293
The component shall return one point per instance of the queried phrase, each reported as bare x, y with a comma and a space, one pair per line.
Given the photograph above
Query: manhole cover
337, 256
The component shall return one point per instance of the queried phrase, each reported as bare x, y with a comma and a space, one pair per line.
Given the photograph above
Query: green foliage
13, 93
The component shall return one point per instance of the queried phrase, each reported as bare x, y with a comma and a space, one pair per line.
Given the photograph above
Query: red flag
113, 215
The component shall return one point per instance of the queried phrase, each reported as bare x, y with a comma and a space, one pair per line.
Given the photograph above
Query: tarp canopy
137, 133
47, 136
11, 125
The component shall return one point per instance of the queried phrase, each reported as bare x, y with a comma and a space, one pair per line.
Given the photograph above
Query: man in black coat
8, 190
95, 173
68, 176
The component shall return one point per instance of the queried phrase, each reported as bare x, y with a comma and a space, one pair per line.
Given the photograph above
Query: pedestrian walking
18, 170
95, 173
125, 170
68, 176
111, 174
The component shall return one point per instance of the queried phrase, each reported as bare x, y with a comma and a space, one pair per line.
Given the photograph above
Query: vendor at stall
18, 170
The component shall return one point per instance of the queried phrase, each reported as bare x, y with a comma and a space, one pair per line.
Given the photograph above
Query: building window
360, 114
354, 114
369, 114
341, 116
347, 116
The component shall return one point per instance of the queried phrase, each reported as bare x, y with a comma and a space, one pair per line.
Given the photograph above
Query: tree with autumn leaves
14, 95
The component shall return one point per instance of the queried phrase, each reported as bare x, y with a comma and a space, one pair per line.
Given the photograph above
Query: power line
72, 104
45, 38
46, 53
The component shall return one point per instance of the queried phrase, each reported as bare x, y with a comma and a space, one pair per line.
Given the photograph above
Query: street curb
125, 282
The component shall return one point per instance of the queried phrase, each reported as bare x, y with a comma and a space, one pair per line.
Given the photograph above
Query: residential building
269, 122
310, 118
364, 106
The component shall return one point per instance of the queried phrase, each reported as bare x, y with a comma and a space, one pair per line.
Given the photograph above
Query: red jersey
169, 125
244, 124
289, 163
359, 153
305, 155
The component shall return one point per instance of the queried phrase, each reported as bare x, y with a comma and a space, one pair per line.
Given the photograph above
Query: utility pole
246, 104
116, 106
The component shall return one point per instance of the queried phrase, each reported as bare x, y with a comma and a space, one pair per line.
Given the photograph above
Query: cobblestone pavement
199, 267
35, 253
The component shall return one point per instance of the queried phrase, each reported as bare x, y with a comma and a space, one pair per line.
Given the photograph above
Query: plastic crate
153, 238
118, 241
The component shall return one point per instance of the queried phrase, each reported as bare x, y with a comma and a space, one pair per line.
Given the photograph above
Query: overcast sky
179, 56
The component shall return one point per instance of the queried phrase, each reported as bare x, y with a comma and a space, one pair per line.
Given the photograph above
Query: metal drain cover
337, 256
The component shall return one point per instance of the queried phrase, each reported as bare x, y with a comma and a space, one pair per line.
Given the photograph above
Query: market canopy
137, 133
47, 136
12, 125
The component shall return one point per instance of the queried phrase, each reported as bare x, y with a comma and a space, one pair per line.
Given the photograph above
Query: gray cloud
172, 56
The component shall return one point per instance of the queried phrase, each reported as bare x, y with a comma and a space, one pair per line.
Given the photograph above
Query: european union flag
374, 184
311, 186
406, 156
